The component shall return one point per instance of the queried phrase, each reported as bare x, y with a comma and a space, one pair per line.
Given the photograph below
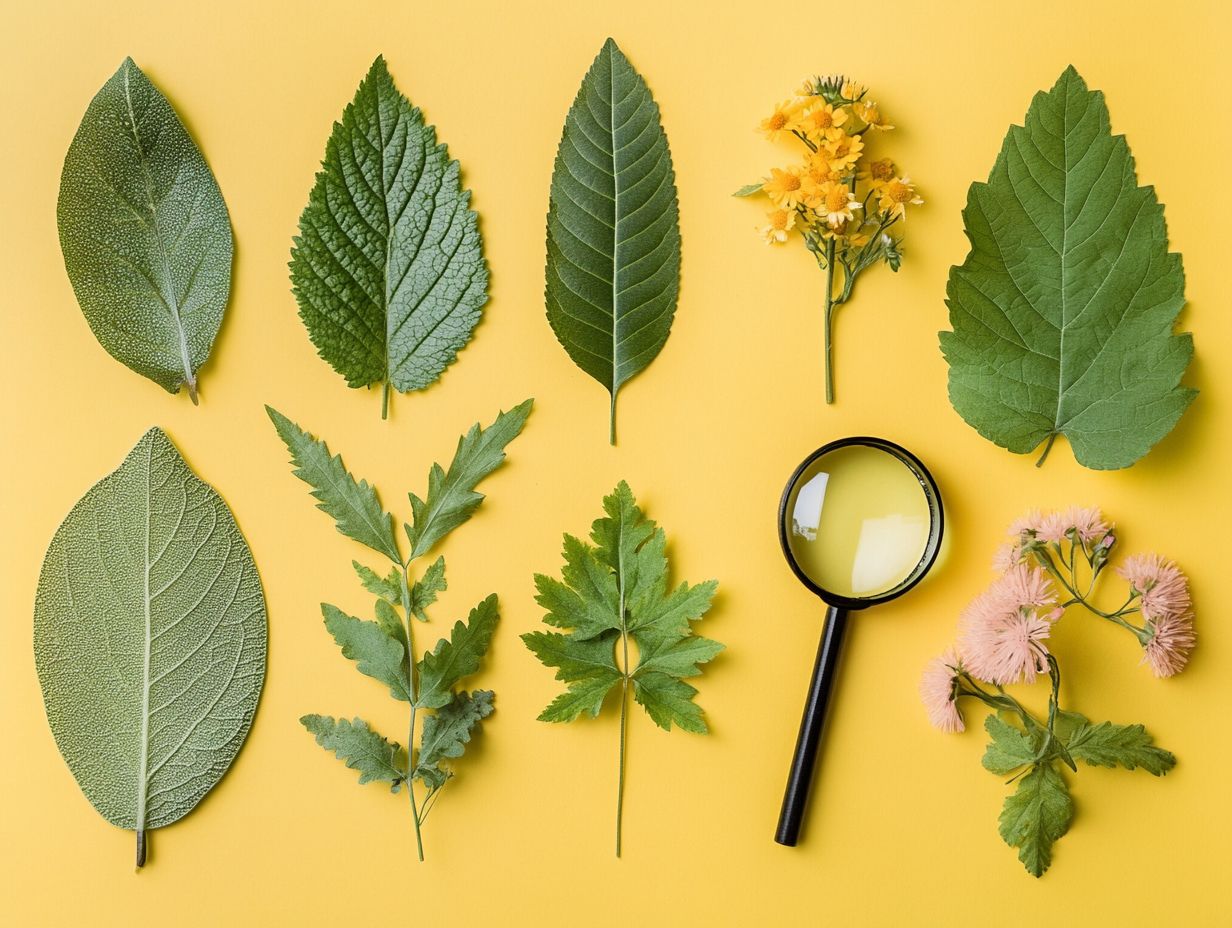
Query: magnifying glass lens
858, 521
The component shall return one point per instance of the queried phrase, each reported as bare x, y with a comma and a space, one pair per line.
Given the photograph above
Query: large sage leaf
149, 637
1062, 313
613, 268
145, 233
388, 267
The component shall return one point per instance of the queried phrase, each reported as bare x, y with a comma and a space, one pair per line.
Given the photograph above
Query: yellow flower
778, 123
871, 114
841, 150
816, 121
894, 196
781, 222
808, 88
784, 187
878, 173
816, 174
834, 204
852, 90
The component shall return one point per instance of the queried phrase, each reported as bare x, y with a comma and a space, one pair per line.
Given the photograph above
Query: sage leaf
447, 732
149, 639
1062, 313
351, 503
613, 252
388, 266
145, 233
451, 498
458, 656
359, 747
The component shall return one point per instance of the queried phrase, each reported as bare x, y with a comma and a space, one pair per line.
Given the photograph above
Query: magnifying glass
860, 523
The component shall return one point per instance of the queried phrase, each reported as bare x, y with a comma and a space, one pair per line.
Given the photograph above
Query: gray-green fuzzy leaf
388, 588
351, 503
149, 638
1063, 311
1128, 746
424, 590
458, 656
447, 732
613, 265
388, 267
359, 747
376, 652
451, 498
145, 233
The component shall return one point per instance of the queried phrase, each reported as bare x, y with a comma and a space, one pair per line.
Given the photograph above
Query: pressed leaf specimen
614, 596
1063, 311
383, 648
145, 233
613, 267
149, 638
388, 266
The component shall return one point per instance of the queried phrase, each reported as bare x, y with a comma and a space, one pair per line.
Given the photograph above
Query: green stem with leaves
404, 574
828, 322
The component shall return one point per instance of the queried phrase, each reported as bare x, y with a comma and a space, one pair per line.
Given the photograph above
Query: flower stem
829, 316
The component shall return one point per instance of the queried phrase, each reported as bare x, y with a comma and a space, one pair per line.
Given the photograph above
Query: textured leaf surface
614, 588
377, 653
1128, 746
1009, 749
458, 656
613, 266
388, 267
358, 746
351, 503
424, 590
451, 494
1035, 815
149, 638
447, 732
1062, 313
145, 233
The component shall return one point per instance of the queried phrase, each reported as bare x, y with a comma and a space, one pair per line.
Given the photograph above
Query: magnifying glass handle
800, 779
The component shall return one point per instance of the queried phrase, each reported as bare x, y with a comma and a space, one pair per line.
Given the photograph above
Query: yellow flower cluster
836, 195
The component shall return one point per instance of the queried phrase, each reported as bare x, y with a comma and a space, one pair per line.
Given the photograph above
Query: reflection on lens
859, 521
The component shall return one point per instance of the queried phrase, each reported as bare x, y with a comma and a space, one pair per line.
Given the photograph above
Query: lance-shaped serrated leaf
388, 588
458, 656
1128, 746
149, 639
377, 653
613, 265
1062, 313
388, 267
447, 732
1035, 815
451, 498
359, 747
351, 503
145, 233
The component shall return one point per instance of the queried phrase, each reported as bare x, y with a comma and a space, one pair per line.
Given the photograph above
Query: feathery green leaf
359, 747
458, 656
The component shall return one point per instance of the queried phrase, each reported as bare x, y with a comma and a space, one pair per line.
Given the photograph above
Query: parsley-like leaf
1062, 313
611, 595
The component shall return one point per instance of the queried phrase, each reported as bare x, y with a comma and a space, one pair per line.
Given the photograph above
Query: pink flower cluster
1002, 632
1166, 606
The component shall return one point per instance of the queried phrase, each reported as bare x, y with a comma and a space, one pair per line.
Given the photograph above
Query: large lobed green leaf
1062, 313
1035, 815
616, 588
613, 265
388, 268
149, 639
145, 233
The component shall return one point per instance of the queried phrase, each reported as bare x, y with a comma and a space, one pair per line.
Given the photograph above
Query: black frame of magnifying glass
936, 518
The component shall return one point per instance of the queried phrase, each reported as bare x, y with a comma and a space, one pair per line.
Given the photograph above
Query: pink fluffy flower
937, 689
1053, 527
1027, 523
1006, 557
1162, 586
1004, 629
1088, 522
1172, 638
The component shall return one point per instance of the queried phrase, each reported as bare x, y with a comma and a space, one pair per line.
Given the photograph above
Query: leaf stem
1048, 447
410, 677
385, 400
829, 316
611, 428
620, 784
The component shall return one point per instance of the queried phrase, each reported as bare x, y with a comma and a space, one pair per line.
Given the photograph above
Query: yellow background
903, 829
